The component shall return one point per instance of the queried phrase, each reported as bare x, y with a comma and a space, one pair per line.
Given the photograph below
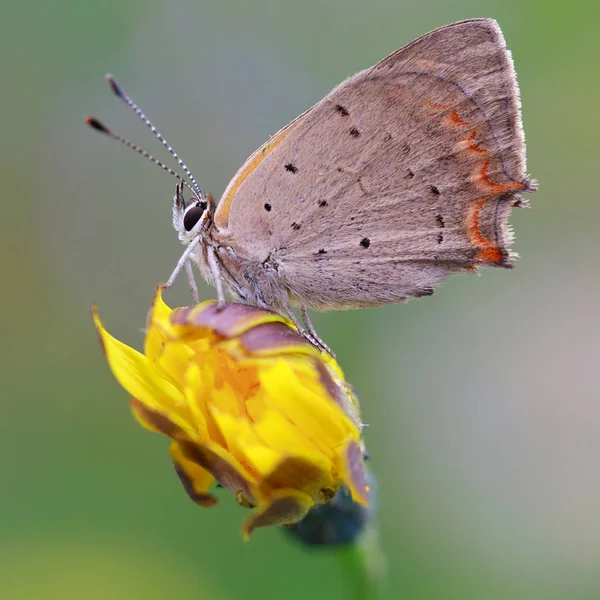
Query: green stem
365, 568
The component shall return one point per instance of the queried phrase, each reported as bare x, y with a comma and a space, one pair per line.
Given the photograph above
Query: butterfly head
191, 219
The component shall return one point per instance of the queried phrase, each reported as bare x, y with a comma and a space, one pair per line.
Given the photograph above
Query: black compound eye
193, 215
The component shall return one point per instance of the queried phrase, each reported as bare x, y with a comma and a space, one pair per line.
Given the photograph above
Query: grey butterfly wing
402, 175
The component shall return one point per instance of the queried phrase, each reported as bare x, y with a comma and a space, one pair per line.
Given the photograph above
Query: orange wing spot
489, 255
471, 145
455, 118
486, 250
473, 225
482, 175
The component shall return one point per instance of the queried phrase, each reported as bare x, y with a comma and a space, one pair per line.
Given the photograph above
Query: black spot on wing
291, 168
296, 226
440, 221
322, 251
361, 186
322, 203
341, 110
440, 237
407, 174
354, 132
434, 190
267, 207
365, 242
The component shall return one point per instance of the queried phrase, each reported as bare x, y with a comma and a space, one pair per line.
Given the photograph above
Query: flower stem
365, 569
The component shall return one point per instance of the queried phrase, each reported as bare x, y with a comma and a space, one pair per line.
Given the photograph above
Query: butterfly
403, 174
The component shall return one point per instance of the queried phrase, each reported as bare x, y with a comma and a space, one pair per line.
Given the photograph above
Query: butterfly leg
215, 269
192, 282
181, 263
314, 340
311, 329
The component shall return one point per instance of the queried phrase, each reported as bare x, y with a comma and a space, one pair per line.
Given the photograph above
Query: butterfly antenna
95, 124
120, 93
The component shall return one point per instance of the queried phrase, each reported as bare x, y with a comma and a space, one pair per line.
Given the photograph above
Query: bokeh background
482, 401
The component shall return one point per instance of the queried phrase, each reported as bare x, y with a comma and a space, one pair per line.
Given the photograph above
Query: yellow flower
248, 403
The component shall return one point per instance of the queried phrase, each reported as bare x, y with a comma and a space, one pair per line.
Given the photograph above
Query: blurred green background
482, 401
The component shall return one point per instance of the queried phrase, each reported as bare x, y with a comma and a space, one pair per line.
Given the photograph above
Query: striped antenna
95, 124
120, 93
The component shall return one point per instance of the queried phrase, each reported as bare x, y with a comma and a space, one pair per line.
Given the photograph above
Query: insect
403, 174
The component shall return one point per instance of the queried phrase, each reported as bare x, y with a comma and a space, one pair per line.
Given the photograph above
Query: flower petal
243, 443
225, 468
353, 472
283, 436
226, 321
302, 474
172, 361
284, 507
340, 391
196, 391
155, 421
206, 388
155, 335
294, 388
275, 338
134, 372
196, 481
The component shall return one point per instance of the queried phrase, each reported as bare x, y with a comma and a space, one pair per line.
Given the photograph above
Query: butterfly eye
193, 215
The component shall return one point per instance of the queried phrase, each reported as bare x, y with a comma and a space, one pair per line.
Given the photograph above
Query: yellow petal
333, 365
196, 388
195, 480
234, 381
201, 392
172, 361
284, 507
297, 393
168, 356
243, 443
134, 372
285, 438
155, 335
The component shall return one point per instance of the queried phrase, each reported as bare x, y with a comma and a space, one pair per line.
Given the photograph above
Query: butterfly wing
403, 174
